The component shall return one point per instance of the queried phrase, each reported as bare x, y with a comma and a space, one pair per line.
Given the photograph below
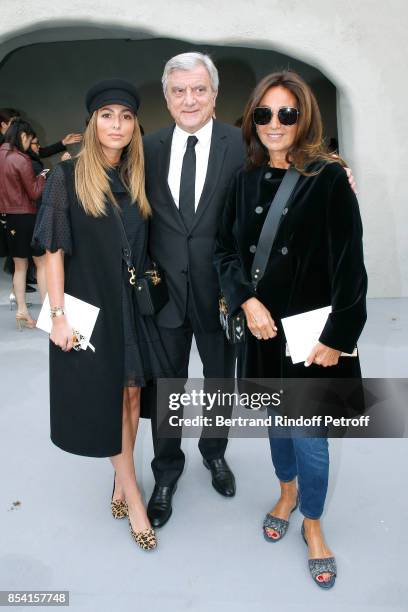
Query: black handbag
151, 288
235, 326
151, 291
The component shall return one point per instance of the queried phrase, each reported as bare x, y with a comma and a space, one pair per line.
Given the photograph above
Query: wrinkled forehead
189, 78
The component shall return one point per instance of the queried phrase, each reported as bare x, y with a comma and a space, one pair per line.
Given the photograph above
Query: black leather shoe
223, 479
159, 507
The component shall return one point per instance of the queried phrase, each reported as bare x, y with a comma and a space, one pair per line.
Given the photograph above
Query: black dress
86, 389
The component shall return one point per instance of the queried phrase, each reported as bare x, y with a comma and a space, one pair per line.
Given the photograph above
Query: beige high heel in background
24, 320
13, 301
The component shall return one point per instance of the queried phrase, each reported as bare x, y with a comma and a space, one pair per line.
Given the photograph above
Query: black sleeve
235, 286
347, 270
53, 227
53, 149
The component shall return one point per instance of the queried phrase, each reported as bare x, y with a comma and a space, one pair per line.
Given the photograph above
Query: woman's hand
323, 355
259, 320
61, 333
71, 139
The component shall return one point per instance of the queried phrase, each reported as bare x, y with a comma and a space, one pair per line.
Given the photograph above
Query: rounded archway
56, 74
359, 52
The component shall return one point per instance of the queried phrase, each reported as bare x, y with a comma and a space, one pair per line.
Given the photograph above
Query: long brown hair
308, 146
92, 184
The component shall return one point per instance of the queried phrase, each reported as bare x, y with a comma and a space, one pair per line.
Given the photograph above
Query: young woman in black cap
95, 397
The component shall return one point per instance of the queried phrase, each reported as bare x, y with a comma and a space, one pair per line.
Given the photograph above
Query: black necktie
187, 183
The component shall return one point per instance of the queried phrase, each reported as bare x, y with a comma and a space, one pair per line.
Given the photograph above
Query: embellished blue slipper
321, 566
277, 524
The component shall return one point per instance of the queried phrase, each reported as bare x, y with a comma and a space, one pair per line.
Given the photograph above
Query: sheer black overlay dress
86, 388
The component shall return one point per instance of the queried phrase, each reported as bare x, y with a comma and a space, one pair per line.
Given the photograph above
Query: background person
19, 189
38, 167
316, 260
8, 114
6, 117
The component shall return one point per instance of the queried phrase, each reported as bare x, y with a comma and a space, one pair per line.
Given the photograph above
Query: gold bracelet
56, 311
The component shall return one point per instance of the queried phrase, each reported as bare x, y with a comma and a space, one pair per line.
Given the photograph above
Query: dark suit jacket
187, 256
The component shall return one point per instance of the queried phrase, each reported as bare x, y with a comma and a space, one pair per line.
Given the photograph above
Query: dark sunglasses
287, 115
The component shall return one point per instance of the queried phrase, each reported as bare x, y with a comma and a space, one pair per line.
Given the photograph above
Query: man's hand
71, 139
65, 156
351, 179
323, 355
349, 175
259, 320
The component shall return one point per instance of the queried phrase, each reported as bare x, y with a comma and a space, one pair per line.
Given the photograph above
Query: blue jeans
308, 459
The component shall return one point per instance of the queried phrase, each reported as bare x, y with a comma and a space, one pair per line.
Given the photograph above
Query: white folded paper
81, 316
303, 331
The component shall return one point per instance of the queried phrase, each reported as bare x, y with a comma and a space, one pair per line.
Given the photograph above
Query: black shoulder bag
151, 288
235, 326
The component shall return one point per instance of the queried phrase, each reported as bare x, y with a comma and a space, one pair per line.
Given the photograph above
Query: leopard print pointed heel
146, 539
119, 507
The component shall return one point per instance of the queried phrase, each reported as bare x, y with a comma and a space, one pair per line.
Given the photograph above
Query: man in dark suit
189, 166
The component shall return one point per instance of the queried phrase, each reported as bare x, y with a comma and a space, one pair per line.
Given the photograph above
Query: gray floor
211, 555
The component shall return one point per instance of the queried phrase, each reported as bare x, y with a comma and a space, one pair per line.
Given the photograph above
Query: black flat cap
112, 91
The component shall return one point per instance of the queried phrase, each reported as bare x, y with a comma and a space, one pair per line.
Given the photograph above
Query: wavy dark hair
308, 146
8, 113
13, 134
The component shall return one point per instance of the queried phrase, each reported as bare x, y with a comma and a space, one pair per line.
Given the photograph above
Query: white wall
360, 46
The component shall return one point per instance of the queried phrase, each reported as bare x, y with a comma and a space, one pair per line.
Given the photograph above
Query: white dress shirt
202, 151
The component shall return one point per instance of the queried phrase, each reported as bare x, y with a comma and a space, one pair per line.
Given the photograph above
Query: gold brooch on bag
132, 276
154, 276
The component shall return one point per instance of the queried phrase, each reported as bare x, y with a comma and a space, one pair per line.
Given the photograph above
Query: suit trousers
218, 359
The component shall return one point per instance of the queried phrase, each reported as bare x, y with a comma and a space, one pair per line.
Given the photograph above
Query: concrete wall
359, 46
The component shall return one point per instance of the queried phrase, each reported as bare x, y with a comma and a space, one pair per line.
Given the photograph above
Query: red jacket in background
19, 187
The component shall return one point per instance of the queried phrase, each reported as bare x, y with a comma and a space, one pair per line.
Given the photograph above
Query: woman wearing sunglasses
316, 260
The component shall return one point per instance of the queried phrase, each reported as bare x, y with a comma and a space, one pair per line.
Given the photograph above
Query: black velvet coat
317, 260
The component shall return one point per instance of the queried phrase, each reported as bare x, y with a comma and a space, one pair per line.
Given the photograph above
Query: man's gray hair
189, 61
